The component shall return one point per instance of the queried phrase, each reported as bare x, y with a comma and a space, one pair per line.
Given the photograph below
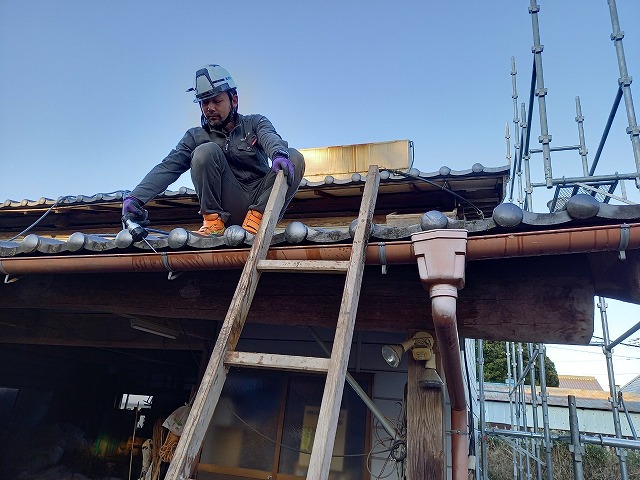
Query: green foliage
598, 463
495, 364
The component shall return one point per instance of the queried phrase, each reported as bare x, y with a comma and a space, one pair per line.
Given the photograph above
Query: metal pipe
594, 440
527, 369
510, 379
516, 402
556, 149
523, 244
444, 252
613, 396
625, 84
483, 422
576, 448
530, 109
443, 309
541, 92
592, 180
519, 159
528, 190
526, 126
513, 433
516, 122
391, 431
610, 442
534, 407
523, 402
583, 147
623, 337
607, 128
626, 413
545, 411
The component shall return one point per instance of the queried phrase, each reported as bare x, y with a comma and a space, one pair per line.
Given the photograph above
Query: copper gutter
549, 242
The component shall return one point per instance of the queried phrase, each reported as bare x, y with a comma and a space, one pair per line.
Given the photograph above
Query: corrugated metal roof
633, 386
593, 399
579, 382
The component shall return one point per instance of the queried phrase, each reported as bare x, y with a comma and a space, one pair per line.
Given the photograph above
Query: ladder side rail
320, 461
215, 375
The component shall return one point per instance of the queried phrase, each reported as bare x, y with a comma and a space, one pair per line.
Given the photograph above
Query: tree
495, 364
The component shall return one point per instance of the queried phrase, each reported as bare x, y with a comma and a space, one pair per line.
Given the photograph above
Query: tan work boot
252, 221
212, 225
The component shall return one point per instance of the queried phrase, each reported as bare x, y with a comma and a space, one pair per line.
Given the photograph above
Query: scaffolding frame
529, 443
602, 187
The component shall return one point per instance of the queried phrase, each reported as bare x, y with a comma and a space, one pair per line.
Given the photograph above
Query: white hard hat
211, 80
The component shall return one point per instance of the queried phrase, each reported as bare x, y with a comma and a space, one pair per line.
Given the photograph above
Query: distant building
632, 387
579, 382
594, 408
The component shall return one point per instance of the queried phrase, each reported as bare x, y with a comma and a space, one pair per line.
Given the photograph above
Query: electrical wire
441, 187
266, 437
55, 204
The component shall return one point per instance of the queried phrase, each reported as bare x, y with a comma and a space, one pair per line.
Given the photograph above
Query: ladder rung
304, 266
276, 362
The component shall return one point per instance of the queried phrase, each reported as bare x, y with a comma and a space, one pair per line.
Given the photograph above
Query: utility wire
441, 187
55, 204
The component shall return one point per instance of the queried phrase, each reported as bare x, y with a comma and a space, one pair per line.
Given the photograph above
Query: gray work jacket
247, 149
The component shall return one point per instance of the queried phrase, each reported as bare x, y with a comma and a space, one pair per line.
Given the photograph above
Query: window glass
245, 423
301, 417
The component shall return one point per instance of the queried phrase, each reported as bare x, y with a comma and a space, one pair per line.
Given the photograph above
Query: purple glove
132, 209
283, 163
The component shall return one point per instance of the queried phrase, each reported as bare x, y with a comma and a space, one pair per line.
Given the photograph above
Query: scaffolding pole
625, 84
541, 92
517, 460
545, 411
484, 466
613, 397
523, 403
534, 407
575, 447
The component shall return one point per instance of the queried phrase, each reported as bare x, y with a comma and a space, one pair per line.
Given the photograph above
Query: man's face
217, 109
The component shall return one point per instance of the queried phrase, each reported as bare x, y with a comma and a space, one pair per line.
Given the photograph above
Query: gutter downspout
441, 265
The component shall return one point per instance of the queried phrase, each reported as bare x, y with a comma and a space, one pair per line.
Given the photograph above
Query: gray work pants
220, 191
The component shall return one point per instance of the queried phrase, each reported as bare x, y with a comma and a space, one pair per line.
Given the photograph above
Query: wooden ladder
224, 355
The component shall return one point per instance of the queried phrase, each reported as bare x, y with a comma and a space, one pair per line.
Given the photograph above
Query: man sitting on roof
228, 157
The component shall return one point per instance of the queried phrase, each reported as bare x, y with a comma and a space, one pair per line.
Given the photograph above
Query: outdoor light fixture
150, 327
421, 346
393, 353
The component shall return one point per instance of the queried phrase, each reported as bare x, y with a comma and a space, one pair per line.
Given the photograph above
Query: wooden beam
425, 428
276, 362
536, 299
303, 266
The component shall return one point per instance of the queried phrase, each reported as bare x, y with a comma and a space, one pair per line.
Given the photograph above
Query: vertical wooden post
425, 428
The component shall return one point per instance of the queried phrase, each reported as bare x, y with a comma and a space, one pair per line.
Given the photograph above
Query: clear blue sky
92, 93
